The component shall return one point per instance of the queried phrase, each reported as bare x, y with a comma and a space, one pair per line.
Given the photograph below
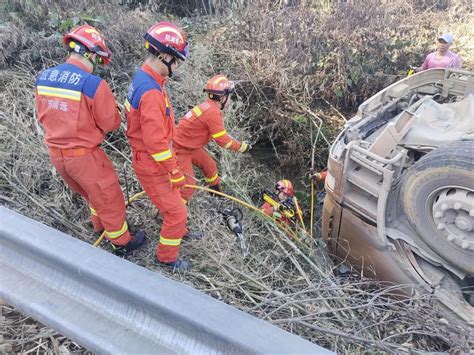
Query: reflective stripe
212, 179
243, 147
170, 29
171, 242
116, 234
166, 154
177, 180
197, 111
219, 134
64, 93
218, 79
127, 105
93, 211
228, 145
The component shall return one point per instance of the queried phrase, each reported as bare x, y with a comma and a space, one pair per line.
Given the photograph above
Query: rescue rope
298, 212
232, 198
319, 133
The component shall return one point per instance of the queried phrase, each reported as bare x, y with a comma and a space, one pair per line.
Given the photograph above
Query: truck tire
438, 199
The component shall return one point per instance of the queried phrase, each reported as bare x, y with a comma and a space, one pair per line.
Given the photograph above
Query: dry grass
20, 334
292, 285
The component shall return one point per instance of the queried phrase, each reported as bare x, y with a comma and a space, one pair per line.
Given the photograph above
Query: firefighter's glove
245, 147
177, 179
320, 176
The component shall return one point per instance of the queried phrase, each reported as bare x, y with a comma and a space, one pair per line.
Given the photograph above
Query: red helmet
285, 186
91, 39
219, 85
165, 37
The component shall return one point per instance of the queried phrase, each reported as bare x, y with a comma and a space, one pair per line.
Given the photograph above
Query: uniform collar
77, 63
157, 77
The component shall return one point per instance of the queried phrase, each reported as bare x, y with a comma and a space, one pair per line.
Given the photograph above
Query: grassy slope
287, 284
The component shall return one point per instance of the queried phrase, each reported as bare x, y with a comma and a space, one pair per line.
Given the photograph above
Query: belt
70, 152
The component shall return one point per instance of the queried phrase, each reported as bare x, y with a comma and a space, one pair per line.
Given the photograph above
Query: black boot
138, 239
179, 264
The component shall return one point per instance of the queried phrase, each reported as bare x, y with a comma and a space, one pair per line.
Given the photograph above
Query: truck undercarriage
400, 188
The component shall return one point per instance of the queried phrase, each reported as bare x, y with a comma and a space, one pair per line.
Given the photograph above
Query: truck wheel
438, 199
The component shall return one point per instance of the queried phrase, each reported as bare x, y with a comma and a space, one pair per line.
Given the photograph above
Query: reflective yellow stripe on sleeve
228, 145
219, 134
116, 234
127, 105
93, 211
177, 180
171, 242
57, 92
166, 154
211, 179
197, 111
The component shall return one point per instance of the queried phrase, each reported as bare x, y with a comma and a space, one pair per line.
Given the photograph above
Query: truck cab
399, 202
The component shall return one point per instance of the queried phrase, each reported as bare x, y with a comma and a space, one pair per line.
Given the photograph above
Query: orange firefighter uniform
277, 215
76, 108
195, 130
150, 122
284, 194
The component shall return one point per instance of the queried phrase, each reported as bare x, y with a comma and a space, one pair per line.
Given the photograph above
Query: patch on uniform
205, 105
197, 111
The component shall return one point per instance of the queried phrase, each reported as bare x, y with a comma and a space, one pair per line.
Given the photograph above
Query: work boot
138, 239
179, 264
194, 235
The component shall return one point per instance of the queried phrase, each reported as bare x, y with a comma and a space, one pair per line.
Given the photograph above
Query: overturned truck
400, 188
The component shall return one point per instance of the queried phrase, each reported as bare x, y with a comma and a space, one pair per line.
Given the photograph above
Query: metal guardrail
112, 306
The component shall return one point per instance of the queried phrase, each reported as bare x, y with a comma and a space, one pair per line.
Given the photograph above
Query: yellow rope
298, 212
235, 199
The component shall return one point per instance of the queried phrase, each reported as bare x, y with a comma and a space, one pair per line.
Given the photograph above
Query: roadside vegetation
302, 68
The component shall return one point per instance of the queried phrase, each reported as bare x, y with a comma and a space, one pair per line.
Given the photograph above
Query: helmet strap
75, 47
168, 64
218, 98
224, 102
95, 63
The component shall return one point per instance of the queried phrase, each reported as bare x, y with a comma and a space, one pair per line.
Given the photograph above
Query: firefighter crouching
150, 128
203, 123
281, 204
76, 108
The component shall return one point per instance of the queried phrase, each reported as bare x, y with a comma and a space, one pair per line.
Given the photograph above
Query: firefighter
150, 128
200, 125
281, 204
76, 108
